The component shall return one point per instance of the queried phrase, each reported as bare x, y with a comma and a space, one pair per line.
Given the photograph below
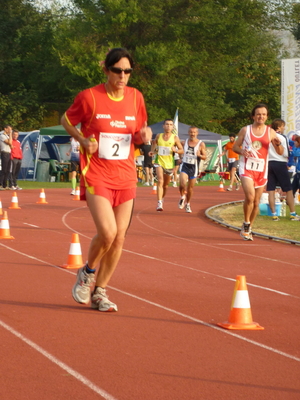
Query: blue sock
89, 270
293, 213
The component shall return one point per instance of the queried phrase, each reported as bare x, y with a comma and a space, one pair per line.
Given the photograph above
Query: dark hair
7, 126
277, 123
232, 135
260, 105
15, 130
168, 119
115, 55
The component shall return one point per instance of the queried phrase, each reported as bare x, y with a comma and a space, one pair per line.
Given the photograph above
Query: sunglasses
116, 70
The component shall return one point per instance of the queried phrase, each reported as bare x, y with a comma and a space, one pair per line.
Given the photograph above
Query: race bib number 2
114, 146
255, 164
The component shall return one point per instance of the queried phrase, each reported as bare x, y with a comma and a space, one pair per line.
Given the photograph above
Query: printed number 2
115, 154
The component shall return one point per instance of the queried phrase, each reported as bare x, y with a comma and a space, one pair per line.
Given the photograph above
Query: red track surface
175, 281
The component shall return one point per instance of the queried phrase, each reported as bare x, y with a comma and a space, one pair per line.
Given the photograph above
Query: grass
232, 214
43, 185
57, 185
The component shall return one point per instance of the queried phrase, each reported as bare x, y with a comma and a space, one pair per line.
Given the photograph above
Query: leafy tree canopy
212, 59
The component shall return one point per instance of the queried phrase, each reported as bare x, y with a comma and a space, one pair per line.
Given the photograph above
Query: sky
49, 3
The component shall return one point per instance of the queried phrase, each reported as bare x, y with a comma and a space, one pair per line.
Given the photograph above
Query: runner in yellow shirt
165, 145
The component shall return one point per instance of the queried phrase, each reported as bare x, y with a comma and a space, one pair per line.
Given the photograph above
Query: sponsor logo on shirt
118, 124
103, 116
129, 118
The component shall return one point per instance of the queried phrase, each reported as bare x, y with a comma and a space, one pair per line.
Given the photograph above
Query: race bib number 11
255, 164
114, 146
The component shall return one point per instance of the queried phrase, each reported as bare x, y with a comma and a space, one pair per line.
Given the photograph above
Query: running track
174, 283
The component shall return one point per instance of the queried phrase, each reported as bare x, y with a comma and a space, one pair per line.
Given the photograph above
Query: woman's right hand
90, 144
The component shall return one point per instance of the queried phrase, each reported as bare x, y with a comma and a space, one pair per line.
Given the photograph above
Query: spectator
16, 161
278, 174
5, 147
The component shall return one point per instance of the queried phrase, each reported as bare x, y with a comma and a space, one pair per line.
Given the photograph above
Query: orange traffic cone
154, 189
4, 228
74, 257
221, 187
77, 194
240, 314
1, 212
42, 199
14, 202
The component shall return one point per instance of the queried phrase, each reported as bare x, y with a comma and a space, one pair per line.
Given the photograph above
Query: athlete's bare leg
106, 246
252, 197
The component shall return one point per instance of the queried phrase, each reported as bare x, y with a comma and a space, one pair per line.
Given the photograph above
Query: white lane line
199, 321
184, 266
167, 309
59, 363
35, 226
212, 274
212, 245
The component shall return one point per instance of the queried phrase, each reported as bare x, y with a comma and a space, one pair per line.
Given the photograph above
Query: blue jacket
294, 158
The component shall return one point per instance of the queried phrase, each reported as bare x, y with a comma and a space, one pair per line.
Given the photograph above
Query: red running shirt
114, 124
256, 166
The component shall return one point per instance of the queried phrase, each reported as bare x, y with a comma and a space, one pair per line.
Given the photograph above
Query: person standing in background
16, 161
5, 147
75, 164
278, 174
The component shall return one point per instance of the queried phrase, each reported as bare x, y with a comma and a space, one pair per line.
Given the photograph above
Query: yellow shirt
165, 156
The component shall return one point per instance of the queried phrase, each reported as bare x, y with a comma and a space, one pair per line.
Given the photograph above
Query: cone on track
154, 189
14, 202
42, 199
75, 256
77, 194
1, 212
240, 316
221, 187
4, 227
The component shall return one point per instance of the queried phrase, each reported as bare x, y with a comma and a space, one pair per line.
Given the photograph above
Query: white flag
175, 122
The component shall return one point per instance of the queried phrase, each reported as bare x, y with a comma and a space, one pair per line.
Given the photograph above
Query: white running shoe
81, 290
146, 184
73, 192
246, 233
181, 202
159, 206
229, 189
188, 208
174, 184
99, 301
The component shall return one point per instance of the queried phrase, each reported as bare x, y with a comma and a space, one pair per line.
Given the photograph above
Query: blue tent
29, 143
183, 129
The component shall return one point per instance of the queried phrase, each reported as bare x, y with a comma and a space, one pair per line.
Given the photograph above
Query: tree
213, 60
